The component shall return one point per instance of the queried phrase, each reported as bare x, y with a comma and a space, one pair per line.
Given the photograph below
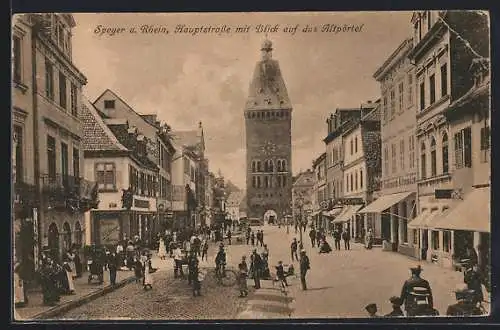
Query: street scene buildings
195, 186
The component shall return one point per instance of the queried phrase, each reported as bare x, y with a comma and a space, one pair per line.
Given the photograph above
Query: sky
186, 78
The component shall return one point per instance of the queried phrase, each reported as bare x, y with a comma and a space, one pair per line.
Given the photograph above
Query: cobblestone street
340, 284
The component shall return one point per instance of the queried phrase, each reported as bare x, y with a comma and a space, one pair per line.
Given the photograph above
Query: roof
396, 56
373, 115
96, 135
267, 89
304, 179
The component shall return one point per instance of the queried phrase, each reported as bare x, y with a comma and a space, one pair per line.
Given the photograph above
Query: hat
417, 268
302, 251
395, 300
280, 262
371, 307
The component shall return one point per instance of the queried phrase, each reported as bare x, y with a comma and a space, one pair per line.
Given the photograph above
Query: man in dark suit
256, 267
415, 289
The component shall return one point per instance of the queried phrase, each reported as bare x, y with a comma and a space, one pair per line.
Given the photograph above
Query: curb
60, 309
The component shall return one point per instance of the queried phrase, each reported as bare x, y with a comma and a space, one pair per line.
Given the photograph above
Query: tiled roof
373, 115
96, 135
186, 138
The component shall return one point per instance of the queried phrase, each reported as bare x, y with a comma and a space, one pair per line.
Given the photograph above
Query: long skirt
72, 265
162, 251
18, 290
71, 285
242, 283
148, 279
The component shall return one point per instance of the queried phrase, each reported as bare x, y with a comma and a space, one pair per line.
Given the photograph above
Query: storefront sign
141, 203
350, 201
400, 181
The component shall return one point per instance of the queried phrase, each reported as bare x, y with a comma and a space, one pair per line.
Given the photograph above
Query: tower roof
267, 89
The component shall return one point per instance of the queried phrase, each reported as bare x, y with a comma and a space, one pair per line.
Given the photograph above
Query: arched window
283, 166
278, 165
444, 153
269, 166
66, 236
78, 234
259, 166
433, 157
423, 162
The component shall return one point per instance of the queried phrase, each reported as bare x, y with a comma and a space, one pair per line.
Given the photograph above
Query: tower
268, 119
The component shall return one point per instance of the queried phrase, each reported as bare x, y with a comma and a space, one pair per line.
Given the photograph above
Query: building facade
268, 117
442, 58
48, 132
302, 197
397, 203
233, 205
319, 196
116, 158
361, 170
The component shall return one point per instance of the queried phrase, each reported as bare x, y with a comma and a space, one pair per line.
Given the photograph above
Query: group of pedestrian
255, 239
55, 278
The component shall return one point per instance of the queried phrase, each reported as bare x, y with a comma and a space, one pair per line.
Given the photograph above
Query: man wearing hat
416, 289
465, 306
256, 266
396, 307
304, 267
372, 310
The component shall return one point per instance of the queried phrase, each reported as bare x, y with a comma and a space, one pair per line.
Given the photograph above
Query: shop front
468, 225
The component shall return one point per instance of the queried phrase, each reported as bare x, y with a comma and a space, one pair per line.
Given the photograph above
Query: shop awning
384, 202
471, 214
347, 214
426, 219
333, 212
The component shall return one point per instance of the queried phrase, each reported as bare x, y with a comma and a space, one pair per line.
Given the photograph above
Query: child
196, 279
372, 310
280, 273
137, 269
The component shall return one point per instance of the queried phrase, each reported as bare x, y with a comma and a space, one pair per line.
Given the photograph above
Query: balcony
25, 196
428, 185
69, 191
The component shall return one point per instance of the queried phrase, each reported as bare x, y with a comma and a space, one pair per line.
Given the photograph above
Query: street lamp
300, 204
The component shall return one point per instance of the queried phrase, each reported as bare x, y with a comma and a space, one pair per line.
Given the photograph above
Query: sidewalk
84, 293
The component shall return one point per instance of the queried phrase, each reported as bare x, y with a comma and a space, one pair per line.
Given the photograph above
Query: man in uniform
409, 296
304, 267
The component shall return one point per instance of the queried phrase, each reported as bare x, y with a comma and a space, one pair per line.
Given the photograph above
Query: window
415, 236
269, 166
19, 143
266, 182
446, 241
410, 89
62, 91
444, 151
351, 147
356, 180
463, 152
401, 96
433, 157
64, 161
347, 183
60, 34
254, 182
422, 96
74, 100
404, 222
258, 182
411, 143
384, 109
351, 185
393, 102
432, 89
17, 74
402, 154
386, 161
361, 179
444, 80
76, 162
356, 144
105, 177
435, 240
284, 181
109, 104
49, 79
51, 157
254, 166
485, 143
394, 158
422, 162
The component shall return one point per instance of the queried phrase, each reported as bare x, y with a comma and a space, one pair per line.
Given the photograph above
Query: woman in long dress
70, 259
69, 285
162, 250
148, 279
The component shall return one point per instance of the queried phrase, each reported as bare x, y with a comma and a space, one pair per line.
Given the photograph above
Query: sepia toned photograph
250, 166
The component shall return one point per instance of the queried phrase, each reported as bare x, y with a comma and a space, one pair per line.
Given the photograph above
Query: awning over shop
333, 212
385, 202
426, 219
348, 212
472, 214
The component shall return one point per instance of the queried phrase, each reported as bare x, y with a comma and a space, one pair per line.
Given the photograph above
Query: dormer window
109, 104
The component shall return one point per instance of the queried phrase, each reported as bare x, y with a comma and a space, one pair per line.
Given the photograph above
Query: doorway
425, 244
386, 226
53, 241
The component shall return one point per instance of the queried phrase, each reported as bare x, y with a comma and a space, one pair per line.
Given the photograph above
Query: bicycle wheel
230, 278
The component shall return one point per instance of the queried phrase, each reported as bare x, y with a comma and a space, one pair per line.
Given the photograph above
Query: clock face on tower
268, 148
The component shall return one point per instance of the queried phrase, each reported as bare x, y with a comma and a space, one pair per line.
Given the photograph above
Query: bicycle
225, 277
